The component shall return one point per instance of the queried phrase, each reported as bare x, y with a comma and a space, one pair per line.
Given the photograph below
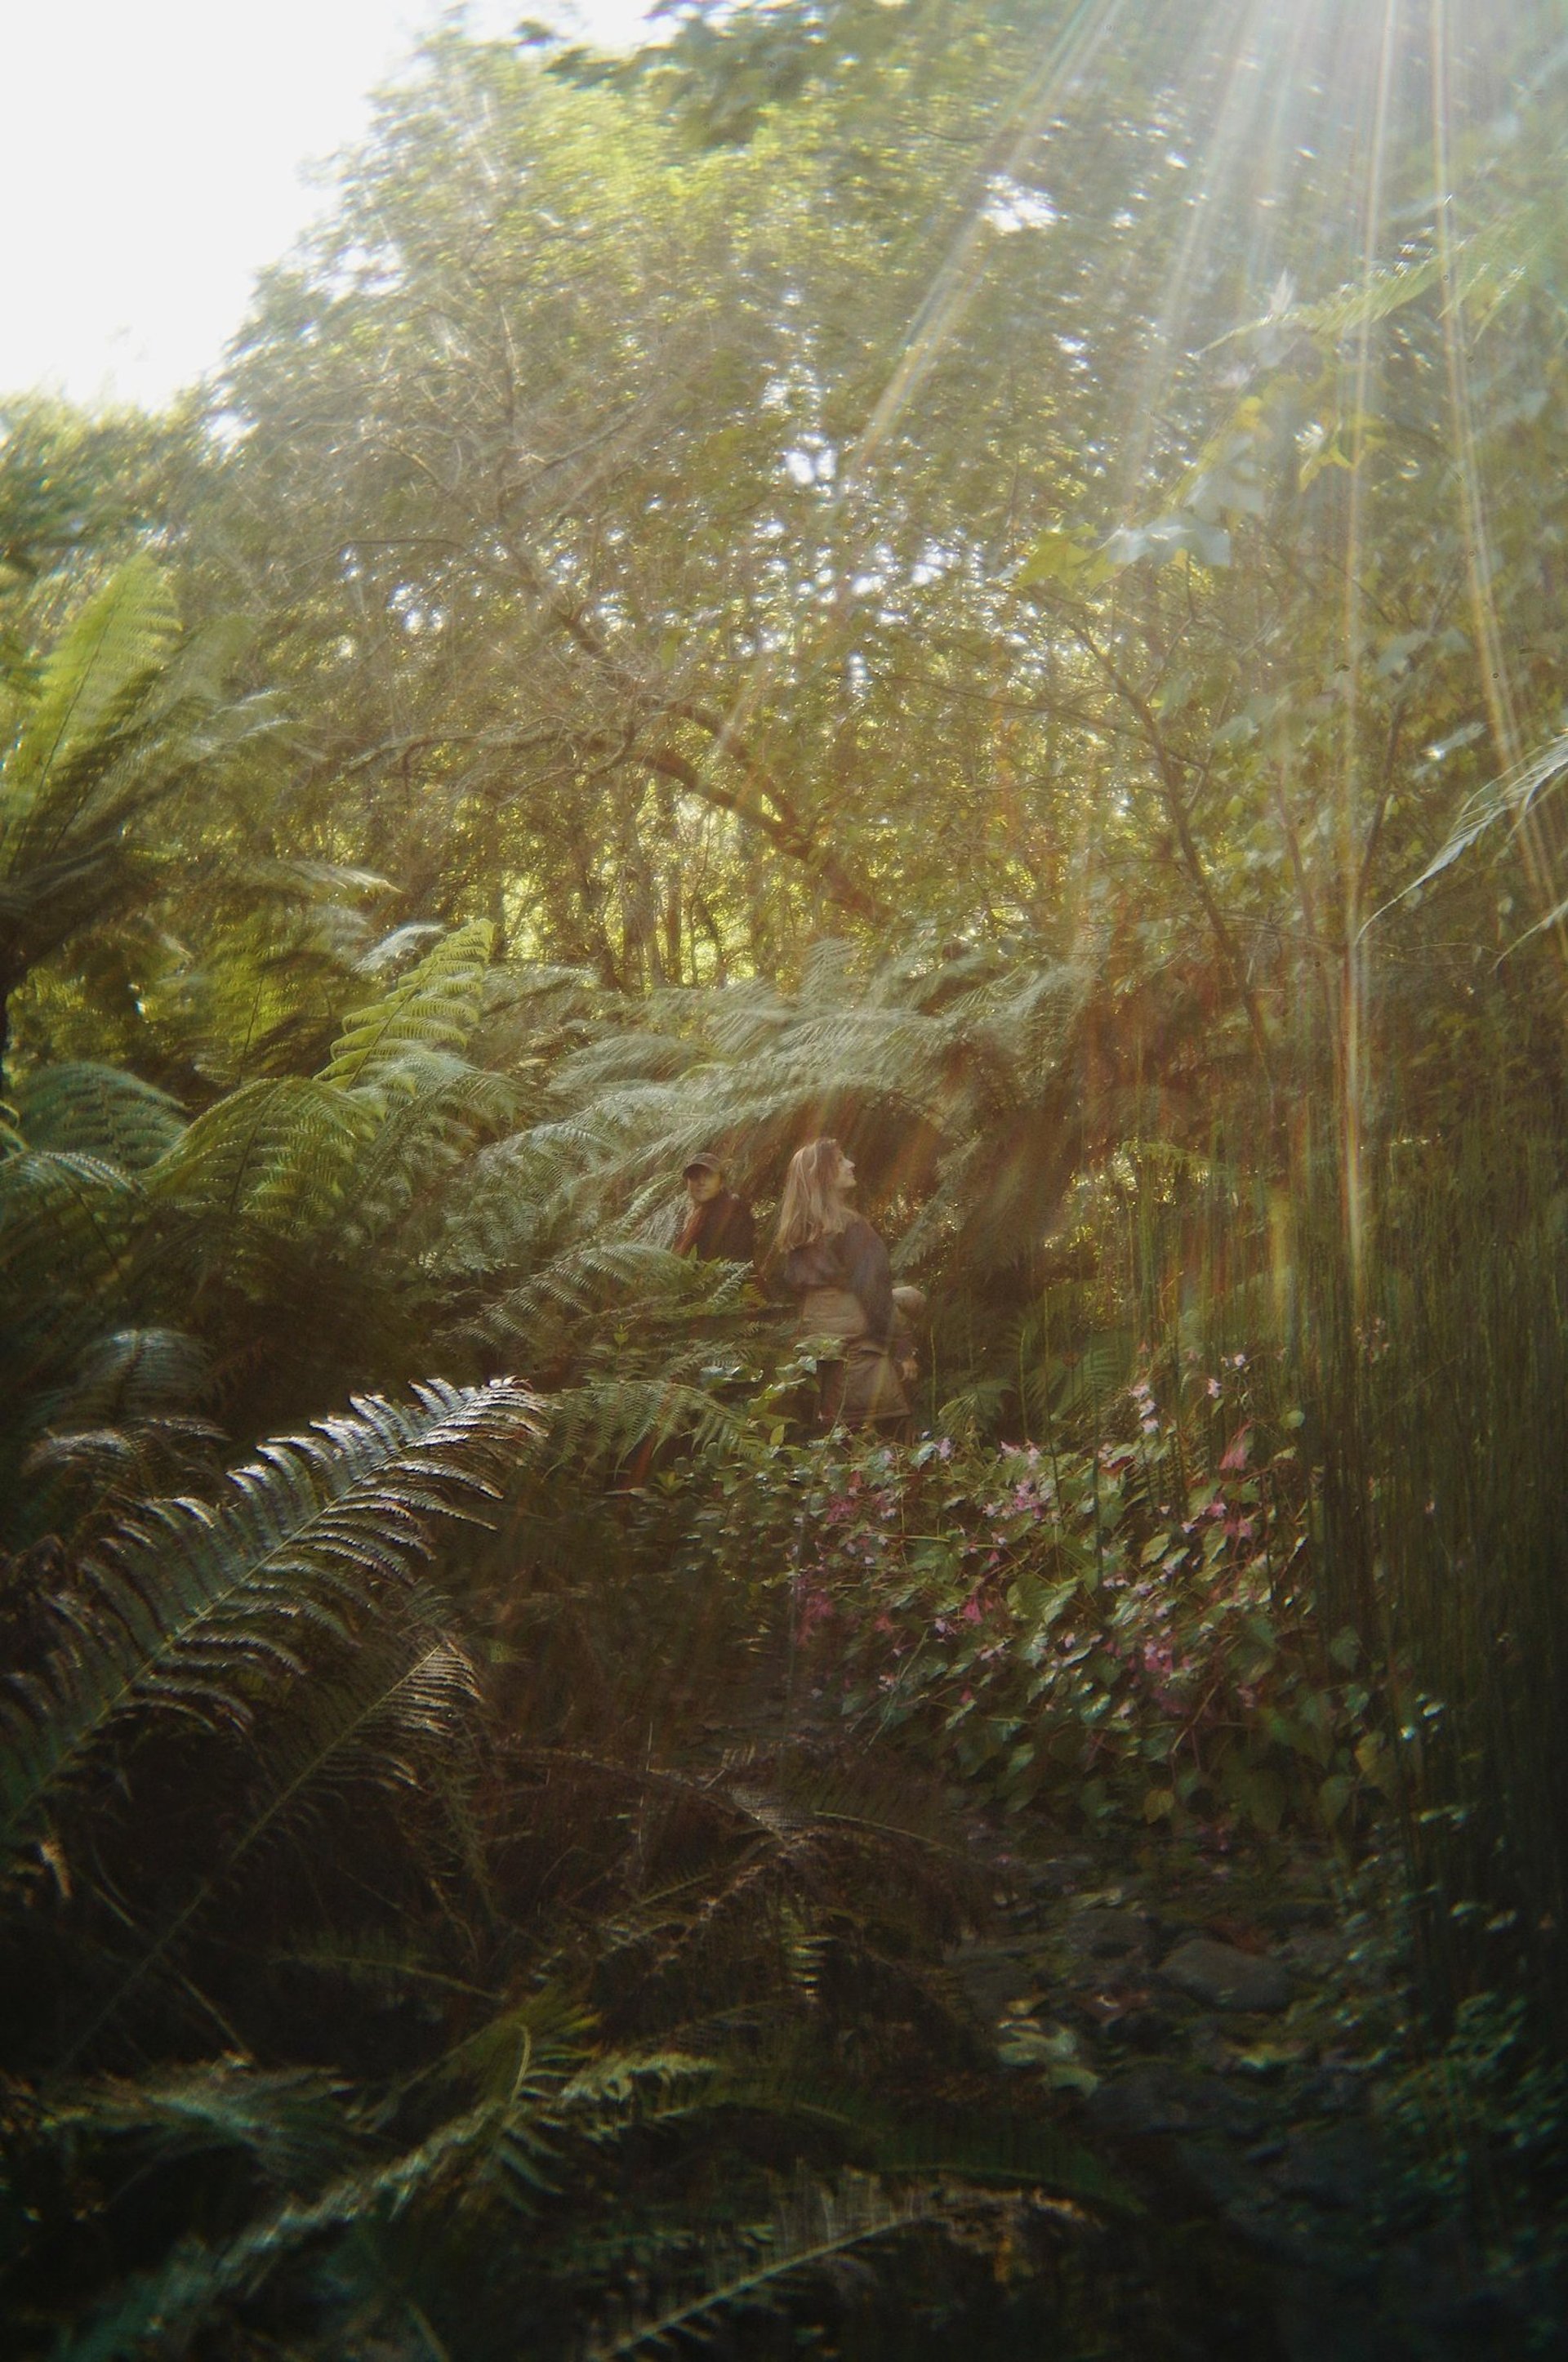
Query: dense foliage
987, 577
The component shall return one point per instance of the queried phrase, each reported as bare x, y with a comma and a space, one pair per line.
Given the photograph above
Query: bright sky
153, 156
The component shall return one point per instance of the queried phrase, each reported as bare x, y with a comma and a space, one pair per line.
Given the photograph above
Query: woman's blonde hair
811, 1207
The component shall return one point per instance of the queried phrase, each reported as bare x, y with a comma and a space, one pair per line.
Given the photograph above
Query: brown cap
703, 1162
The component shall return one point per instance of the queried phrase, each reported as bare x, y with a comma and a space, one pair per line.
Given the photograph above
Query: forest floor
1222, 2030
1225, 2031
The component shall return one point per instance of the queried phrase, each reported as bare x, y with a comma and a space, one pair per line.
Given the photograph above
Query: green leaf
1068, 558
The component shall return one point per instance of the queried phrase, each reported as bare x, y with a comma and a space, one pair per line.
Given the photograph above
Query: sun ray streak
1353, 1018
1491, 651
1229, 144
954, 286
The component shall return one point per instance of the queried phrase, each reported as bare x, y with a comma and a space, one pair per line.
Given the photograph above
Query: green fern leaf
93, 680
285, 2118
503, 2144
398, 1697
812, 2228
272, 1158
436, 1006
993, 2147
163, 2307
94, 1111
133, 1374
65, 1219
423, 1139
190, 1600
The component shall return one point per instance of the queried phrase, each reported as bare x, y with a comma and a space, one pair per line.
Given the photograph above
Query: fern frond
507, 2144
993, 2147
392, 950
811, 2229
623, 1056
436, 1006
93, 681
745, 1017
65, 1224
448, 1107
533, 2046
89, 1471
601, 1272
69, 1231
132, 1373
166, 2305
385, 1965
100, 1111
600, 1422
518, 1200
192, 1599
610, 2090
287, 2119
828, 973
276, 1157
399, 1696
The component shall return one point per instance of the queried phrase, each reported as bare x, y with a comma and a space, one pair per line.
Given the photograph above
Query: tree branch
1166, 771
773, 811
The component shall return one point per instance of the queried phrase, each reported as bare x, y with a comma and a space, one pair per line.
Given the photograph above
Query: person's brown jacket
722, 1230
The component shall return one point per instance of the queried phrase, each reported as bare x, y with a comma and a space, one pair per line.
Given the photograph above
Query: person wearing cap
719, 1226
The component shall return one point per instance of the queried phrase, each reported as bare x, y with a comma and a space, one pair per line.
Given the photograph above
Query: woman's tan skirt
863, 1388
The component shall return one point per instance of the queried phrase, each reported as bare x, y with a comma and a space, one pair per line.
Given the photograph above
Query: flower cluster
1130, 1626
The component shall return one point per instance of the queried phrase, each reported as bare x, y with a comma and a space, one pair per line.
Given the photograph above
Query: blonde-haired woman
833, 1264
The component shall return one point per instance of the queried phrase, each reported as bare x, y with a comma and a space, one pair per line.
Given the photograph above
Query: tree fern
271, 1160
610, 1271
63, 1217
502, 2148
191, 1601
92, 749
131, 1374
100, 1111
640, 1344
969, 1087
93, 681
448, 1106
400, 1695
604, 1419
301, 1174
518, 1200
68, 1228
436, 1006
